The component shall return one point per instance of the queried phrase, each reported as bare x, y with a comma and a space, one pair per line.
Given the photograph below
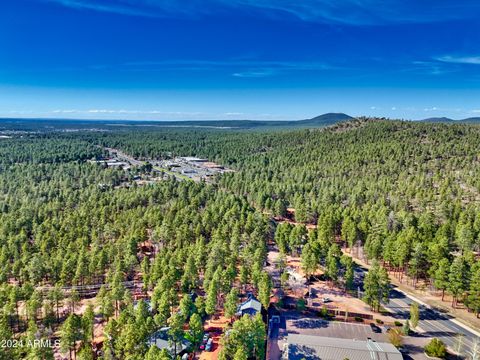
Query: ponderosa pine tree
441, 277
377, 286
196, 329
309, 260
231, 303
458, 279
265, 289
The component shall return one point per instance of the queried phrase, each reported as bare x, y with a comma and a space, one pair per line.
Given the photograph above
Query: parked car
375, 328
205, 339
326, 300
209, 345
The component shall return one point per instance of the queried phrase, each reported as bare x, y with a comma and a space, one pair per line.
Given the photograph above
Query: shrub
398, 323
395, 337
301, 304
358, 318
436, 348
378, 321
406, 328
280, 304
324, 313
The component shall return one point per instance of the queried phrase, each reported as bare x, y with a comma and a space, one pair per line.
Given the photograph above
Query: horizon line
229, 120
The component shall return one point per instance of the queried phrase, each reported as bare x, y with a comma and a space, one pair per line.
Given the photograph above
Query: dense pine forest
401, 194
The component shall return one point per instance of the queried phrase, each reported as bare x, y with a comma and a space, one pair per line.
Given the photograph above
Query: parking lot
292, 322
320, 327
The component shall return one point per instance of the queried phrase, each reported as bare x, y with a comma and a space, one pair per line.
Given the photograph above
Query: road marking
437, 326
441, 329
455, 321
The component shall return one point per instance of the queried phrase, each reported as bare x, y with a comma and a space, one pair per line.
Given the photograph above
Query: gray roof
326, 348
250, 304
161, 340
193, 159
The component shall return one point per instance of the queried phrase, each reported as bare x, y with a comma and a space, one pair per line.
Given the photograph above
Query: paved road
130, 159
433, 322
124, 157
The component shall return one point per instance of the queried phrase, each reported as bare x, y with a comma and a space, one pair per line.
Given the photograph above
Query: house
251, 306
162, 340
300, 347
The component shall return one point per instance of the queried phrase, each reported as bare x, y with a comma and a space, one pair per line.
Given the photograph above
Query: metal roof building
251, 307
193, 159
309, 347
162, 340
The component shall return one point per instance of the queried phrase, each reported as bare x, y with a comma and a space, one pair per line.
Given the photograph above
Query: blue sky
237, 59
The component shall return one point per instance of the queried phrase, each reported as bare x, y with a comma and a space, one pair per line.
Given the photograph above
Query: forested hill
381, 173
399, 165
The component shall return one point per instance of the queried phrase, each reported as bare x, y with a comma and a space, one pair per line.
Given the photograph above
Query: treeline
46, 148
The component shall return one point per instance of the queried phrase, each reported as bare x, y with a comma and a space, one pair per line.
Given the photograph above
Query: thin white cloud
20, 112
63, 111
111, 7
473, 60
351, 12
247, 68
137, 112
431, 68
215, 64
102, 111
141, 114
254, 74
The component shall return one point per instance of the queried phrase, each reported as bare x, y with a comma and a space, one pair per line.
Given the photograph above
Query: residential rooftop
251, 306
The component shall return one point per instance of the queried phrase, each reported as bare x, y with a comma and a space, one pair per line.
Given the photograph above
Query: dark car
375, 328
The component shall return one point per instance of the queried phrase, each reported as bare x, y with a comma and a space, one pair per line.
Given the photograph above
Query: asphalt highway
434, 324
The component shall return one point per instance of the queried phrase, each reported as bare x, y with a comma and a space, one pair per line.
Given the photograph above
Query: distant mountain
323, 120
471, 120
69, 124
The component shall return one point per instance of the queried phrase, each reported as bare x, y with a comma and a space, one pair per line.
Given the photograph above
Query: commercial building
310, 347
